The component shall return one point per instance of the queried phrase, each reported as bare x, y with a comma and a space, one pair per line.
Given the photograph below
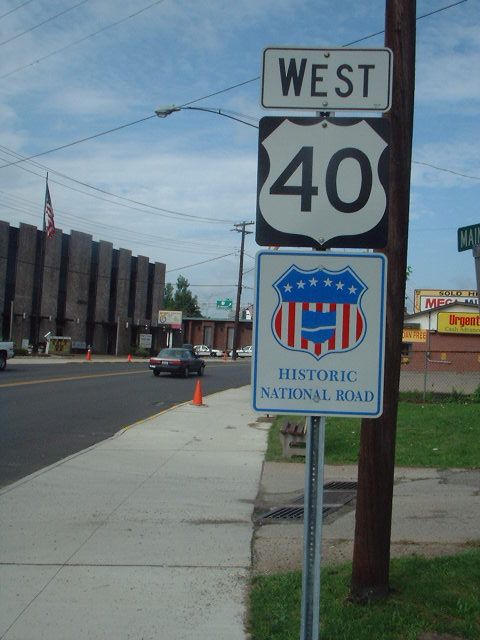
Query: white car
6, 351
244, 352
203, 350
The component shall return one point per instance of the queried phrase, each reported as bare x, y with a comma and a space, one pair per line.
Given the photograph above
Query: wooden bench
293, 438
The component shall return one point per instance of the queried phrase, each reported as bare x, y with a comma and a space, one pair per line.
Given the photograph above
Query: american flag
49, 220
319, 311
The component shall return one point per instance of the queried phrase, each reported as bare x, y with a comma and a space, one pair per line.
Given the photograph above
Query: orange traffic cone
197, 396
129, 358
89, 354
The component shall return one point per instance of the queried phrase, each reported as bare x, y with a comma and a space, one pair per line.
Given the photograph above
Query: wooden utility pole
241, 228
371, 554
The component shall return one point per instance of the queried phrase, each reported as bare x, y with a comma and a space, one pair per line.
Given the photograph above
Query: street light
164, 111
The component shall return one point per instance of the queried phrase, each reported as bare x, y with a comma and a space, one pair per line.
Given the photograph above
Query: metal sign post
476, 257
320, 319
312, 528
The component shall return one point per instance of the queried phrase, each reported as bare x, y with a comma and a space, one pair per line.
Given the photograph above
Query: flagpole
38, 317
44, 225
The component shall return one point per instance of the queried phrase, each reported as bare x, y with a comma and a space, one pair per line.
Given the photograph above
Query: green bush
476, 395
20, 352
139, 352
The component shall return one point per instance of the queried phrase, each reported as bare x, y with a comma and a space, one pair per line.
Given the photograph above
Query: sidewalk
435, 512
146, 535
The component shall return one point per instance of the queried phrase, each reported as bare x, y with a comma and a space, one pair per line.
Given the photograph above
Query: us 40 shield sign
319, 333
322, 182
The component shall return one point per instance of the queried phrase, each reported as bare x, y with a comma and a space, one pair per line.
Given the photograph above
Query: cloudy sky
173, 188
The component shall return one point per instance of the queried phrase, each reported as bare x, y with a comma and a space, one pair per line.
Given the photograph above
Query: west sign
319, 333
327, 79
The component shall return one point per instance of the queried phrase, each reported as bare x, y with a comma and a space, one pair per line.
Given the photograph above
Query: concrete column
141, 290
50, 282
103, 285
158, 291
4, 236
24, 280
78, 284
121, 309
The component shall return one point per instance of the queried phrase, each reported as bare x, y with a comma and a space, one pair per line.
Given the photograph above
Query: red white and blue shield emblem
319, 311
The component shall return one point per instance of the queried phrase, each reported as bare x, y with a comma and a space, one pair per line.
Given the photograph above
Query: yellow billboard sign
466, 323
59, 345
414, 335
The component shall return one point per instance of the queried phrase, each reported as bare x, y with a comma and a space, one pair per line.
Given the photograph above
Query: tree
181, 299
168, 297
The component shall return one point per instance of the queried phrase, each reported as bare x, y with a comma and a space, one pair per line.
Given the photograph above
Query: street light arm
163, 112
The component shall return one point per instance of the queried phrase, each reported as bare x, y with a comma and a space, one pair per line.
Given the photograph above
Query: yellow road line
70, 378
81, 377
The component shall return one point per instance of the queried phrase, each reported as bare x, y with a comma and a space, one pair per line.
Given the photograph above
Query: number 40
306, 190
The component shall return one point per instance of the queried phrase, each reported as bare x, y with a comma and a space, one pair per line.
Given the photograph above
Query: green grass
441, 595
430, 435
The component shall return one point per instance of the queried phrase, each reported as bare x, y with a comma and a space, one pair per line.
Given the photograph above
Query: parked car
203, 350
177, 361
6, 351
244, 352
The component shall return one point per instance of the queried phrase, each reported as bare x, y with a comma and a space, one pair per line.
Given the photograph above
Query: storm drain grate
287, 513
335, 495
340, 485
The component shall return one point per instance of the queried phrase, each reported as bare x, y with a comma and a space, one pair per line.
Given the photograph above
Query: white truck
6, 351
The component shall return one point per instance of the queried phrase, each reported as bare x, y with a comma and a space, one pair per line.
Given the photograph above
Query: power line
425, 15
230, 88
75, 142
169, 212
4, 15
90, 35
40, 24
196, 264
456, 173
27, 207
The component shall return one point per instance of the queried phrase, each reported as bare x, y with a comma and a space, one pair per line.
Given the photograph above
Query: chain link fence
440, 375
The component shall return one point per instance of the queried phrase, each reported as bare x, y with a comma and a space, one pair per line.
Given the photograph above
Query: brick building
445, 338
71, 286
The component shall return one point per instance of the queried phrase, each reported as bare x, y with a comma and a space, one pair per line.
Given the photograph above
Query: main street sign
322, 182
327, 79
319, 333
468, 237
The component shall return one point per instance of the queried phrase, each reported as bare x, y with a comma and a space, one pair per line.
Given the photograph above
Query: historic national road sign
322, 182
327, 79
319, 333
328, 303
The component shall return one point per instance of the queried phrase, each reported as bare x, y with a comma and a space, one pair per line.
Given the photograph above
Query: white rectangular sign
145, 341
169, 317
330, 79
319, 333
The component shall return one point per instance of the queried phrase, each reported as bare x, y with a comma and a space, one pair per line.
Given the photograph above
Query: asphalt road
50, 411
